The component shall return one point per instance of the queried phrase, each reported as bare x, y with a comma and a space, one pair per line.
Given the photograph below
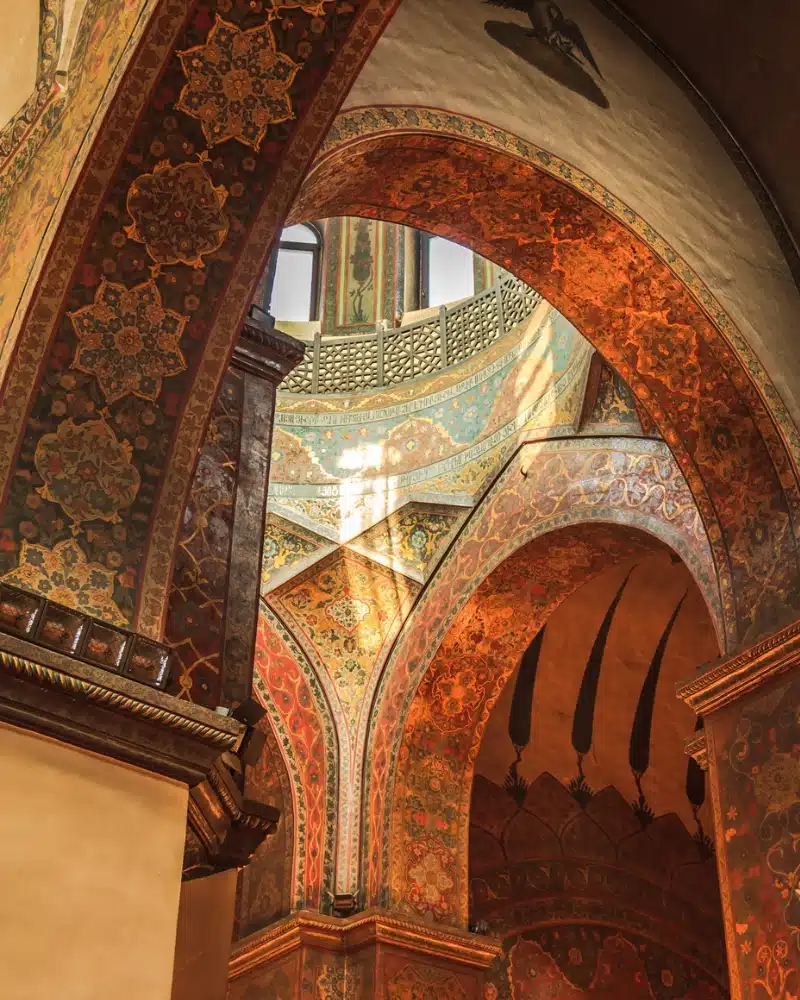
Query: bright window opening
450, 274
295, 291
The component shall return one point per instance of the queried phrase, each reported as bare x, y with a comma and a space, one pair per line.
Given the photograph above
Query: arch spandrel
153, 120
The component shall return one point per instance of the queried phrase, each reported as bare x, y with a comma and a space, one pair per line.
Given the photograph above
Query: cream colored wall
90, 866
650, 148
19, 55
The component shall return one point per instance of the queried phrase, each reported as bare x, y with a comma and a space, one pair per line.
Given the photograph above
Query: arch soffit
343, 791
145, 124
544, 487
289, 688
427, 821
611, 275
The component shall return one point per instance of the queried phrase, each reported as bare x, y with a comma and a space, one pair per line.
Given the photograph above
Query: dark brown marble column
751, 745
213, 608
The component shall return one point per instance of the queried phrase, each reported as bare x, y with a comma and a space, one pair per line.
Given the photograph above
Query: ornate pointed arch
627, 292
163, 145
558, 514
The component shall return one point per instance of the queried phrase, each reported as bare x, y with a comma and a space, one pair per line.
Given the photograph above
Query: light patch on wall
19, 51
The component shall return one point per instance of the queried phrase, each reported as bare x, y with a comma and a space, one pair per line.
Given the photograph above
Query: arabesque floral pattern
178, 213
87, 470
238, 83
63, 574
429, 876
128, 340
758, 763
315, 7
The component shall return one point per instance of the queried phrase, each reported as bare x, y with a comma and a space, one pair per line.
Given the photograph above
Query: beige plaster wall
19, 54
650, 148
90, 867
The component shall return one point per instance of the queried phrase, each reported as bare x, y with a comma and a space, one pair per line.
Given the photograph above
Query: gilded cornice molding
729, 679
112, 715
86, 706
350, 934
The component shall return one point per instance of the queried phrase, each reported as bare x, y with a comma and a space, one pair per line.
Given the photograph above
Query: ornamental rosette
238, 83
128, 340
430, 881
87, 471
178, 213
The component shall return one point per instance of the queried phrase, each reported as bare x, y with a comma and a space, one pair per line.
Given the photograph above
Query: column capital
266, 353
726, 681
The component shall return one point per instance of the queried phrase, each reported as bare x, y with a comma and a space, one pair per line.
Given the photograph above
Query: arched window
295, 286
446, 271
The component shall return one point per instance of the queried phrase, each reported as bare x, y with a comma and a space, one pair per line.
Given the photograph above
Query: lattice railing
389, 357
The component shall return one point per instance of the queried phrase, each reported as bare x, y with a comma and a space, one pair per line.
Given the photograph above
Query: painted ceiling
376, 570
339, 468
44, 145
373, 497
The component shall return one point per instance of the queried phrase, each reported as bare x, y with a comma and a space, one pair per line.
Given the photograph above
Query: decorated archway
483, 644
627, 293
640, 305
121, 345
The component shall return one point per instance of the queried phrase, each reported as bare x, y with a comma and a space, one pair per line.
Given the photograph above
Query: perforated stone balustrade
389, 357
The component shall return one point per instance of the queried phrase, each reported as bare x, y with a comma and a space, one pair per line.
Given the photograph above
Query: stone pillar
205, 932
369, 956
91, 873
263, 358
749, 704
213, 605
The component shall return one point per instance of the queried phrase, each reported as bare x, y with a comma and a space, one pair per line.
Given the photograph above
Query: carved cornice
228, 828
727, 680
697, 747
110, 714
113, 715
268, 354
373, 927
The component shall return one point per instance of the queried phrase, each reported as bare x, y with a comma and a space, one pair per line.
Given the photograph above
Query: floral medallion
178, 213
429, 878
348, 612
457, 693
62, 574
238, 83
87, 471
128, 340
